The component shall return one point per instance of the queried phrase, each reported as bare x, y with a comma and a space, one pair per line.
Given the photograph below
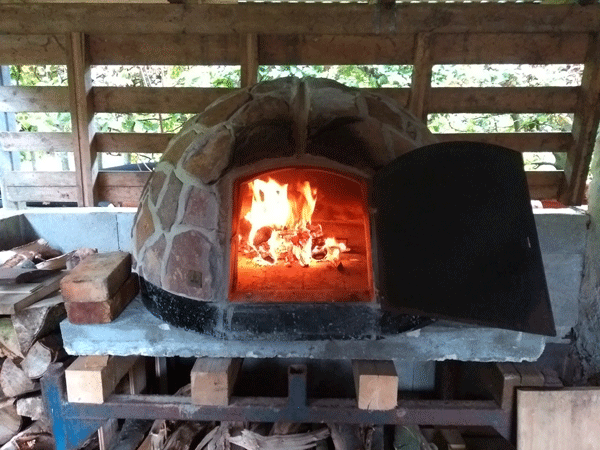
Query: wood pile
30, 312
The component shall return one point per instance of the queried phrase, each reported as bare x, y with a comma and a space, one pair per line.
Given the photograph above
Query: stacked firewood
30, 312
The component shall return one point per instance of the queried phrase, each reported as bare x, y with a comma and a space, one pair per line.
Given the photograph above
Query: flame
281, 225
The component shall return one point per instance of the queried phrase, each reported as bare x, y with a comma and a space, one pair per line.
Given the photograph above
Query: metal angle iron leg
69, 433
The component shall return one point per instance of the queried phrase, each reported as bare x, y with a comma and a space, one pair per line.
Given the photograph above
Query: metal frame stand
73, 423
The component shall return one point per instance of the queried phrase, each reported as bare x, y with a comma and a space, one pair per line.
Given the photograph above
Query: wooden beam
509, 48
32, 49
132, 142
330, 49
421, 77
82, 115
154, 100
501, 100
91, 379
249, 59
168, 49
44, 142
34, 99
213, 379
296, 18
585, 128
521, 142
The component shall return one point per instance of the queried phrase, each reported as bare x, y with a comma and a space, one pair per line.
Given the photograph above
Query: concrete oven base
137, 332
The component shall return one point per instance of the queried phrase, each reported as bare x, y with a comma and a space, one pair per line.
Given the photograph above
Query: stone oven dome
182, 220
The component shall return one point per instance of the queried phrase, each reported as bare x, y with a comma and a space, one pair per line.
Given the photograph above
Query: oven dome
179, 232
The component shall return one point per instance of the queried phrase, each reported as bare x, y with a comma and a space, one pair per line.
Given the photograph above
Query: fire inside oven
300, 235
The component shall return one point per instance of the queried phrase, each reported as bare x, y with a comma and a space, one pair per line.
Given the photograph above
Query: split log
43, 353
36, 436
9, 343
132, 434
36, 250
97, 278
346, 437
14, 382
10, 423
58, 263
32, 407
253, 441
79, 255
183, 437
217, 439
38, 320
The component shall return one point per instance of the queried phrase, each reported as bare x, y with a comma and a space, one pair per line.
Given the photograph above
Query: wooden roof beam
296, 18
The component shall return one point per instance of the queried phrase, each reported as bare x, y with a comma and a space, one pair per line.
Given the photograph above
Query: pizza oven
304, 209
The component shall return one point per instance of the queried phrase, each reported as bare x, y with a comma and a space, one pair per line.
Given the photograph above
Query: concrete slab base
137, 332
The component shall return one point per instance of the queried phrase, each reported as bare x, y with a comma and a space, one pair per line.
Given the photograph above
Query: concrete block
562, 230
564, 276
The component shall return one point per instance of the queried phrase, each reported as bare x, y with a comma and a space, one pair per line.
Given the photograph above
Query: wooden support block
91, 379
449, 439
530, 375
376, 384
502, 379
97, 278
213, 379
107, 310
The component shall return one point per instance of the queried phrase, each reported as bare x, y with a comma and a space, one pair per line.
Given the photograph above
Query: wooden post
585, 127
213, 380
376, 384
82, 115
421, 78
249, 63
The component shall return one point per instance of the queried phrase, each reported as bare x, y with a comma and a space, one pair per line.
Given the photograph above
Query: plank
40, 179
91, 379
212, 380
11, 303
155, 100
105, 311
503, 100
164, 49
132, 143
34, 98
330, 49
249, 59
41, 194
509, 48
97, 278
32, 49
82, 117
10, 276
292, 18
121, 188
25, 141
558, 419
521, 142
421, 77
585, 128
376, 384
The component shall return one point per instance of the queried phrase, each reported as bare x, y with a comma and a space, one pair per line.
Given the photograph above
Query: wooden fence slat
165, 49
249, 59
82, 115
503, 100
154, 100
32, 49
509, 48
121, 188
34, 99
39, 179
40, 186
521, 142
132, 142
294, 18
585, 128
26, 141
332, 49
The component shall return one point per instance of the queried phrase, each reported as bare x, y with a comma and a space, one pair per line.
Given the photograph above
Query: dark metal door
456, 238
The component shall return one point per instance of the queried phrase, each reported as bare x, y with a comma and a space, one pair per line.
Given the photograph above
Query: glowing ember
281, 227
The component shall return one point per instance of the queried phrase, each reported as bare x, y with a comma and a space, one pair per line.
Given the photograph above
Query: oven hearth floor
137, 332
